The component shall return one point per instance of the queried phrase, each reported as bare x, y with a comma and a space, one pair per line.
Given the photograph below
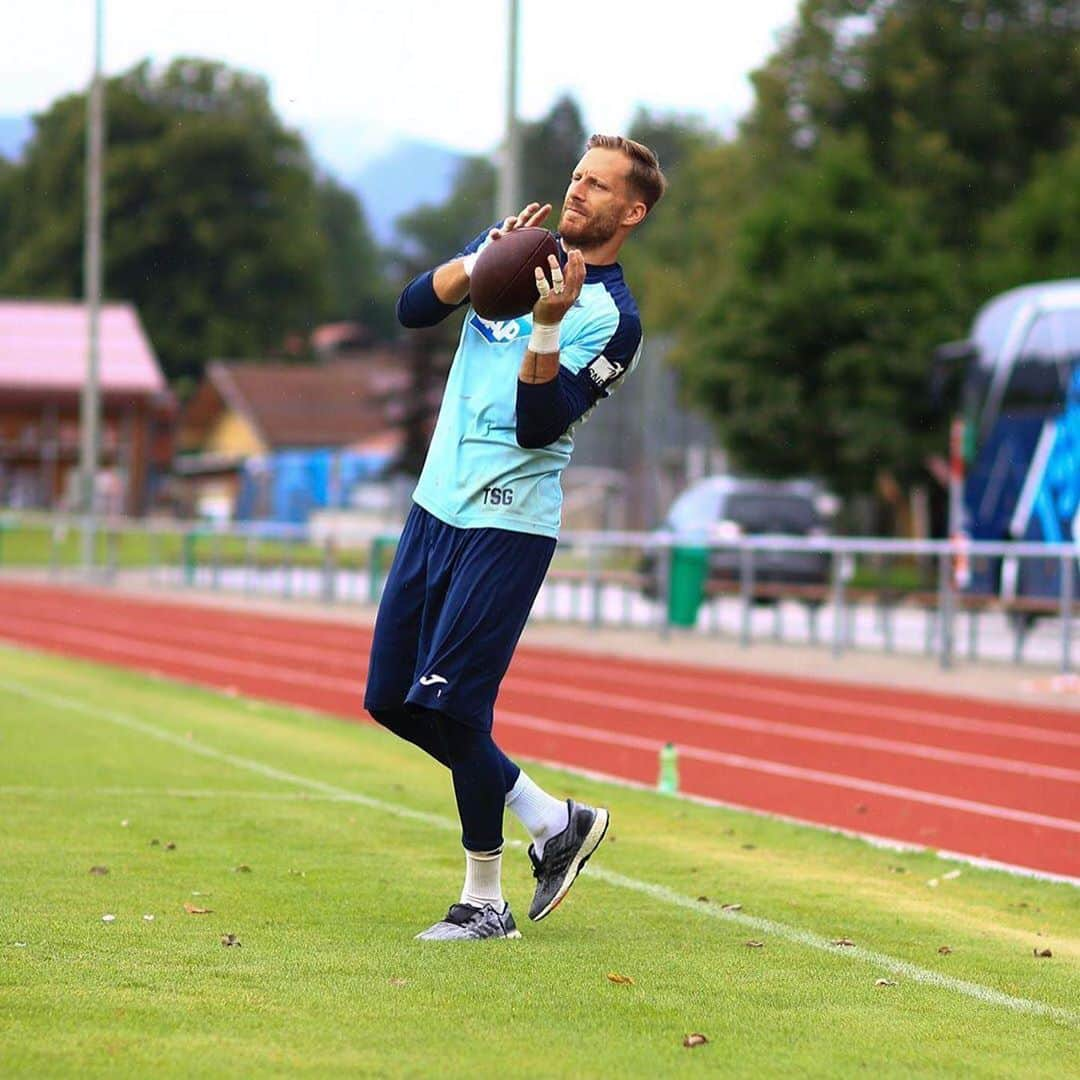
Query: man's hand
530, 216
557, 297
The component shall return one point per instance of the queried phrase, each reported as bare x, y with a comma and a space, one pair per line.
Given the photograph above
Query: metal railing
869, 593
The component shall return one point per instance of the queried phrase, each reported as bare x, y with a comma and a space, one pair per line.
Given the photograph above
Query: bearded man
485, 519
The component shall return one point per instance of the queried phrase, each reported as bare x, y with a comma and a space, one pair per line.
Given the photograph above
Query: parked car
725, 508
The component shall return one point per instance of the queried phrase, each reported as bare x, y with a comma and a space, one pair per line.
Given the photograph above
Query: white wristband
544, 339
468, 262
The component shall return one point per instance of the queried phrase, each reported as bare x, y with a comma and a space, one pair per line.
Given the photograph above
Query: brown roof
292, 405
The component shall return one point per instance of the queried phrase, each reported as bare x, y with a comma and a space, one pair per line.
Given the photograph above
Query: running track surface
974, 777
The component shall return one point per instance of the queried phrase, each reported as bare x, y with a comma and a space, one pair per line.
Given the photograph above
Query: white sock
542, 815
483, 879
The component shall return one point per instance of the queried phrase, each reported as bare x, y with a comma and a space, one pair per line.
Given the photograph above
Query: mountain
408, 175
14, 132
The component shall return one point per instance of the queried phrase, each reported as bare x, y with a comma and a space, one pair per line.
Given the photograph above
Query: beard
591, 231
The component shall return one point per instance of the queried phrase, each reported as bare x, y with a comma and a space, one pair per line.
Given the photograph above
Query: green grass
352, 849
38, 543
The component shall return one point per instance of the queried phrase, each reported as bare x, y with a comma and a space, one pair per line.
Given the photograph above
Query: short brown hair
645, 178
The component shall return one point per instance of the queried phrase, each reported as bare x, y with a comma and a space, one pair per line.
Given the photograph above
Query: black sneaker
464, 922
564, 856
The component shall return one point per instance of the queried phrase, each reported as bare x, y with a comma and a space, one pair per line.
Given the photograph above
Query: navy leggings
482, 773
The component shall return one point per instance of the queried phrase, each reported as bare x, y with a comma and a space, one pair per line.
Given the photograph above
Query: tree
813, 356
1036, 237
212, 213
955, 99
355, 284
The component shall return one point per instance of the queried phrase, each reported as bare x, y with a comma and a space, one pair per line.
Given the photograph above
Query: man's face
596, 200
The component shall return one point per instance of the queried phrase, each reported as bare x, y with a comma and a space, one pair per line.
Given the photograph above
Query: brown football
503, 282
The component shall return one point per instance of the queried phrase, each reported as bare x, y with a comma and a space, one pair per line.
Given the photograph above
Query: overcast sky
420, 68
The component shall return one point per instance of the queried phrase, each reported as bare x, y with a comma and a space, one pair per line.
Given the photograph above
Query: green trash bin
686, 584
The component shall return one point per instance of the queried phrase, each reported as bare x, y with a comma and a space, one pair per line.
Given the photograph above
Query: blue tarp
288, 485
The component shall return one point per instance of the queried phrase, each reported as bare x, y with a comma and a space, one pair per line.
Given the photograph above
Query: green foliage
813, 354
213, 215
1036, 237
904, 160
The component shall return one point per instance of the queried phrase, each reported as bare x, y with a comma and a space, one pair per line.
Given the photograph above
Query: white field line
606, 737
603, 699
599, 670
790, 772
984, 994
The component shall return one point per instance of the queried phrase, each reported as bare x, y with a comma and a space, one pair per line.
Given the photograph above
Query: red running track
985, 779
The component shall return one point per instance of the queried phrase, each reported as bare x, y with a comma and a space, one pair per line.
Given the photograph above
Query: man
486, 512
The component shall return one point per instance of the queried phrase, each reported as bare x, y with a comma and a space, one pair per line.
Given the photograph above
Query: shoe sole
495, 937
589, 845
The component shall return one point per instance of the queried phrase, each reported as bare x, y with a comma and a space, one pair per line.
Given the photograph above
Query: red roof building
43, 362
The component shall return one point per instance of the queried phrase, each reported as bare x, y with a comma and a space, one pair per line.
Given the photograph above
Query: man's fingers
557, 281
542, 286
536, 213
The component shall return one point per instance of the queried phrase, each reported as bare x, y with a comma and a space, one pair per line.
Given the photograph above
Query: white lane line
790, 772
602, 699
636, 742
660, 893
347, 651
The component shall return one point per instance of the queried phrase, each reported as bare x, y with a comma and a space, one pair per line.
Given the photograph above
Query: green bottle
669, 769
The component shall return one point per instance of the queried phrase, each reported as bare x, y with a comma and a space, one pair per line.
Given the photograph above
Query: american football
503, 283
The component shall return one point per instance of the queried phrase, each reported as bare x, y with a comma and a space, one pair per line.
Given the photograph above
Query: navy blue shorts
454, 606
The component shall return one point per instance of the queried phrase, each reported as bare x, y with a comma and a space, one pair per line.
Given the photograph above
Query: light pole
90, 406
508, 196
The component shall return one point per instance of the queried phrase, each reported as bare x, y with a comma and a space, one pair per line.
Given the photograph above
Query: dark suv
725, 508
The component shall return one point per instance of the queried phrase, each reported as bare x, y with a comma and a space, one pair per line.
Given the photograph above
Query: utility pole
90, 407
508, 197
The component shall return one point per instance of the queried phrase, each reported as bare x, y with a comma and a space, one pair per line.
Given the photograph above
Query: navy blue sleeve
546, 410
418, 305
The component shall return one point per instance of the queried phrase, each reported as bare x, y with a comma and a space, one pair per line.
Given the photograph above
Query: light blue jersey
476, 475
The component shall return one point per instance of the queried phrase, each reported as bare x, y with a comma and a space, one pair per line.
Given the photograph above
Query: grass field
324, 846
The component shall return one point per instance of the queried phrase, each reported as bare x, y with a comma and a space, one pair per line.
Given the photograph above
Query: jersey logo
604, 372
431, 680
499, 332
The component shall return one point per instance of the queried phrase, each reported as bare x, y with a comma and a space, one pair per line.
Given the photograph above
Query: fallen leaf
898, 869
125, 823
243, 868
228, 940
944, 950
755, 944
622, 980
703, 899
148, 918
951, 875
749, 847
108, 918
731, 907
933, 883
99, 871
398, 982
191, 909
18, 944
695, 1038
1043, 953
155, 842
170, 846
843, 942
884, 982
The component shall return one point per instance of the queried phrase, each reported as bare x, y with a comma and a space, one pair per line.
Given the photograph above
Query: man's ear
635, 214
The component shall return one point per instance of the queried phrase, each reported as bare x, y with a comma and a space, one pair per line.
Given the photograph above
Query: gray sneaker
564, 856
464, 922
